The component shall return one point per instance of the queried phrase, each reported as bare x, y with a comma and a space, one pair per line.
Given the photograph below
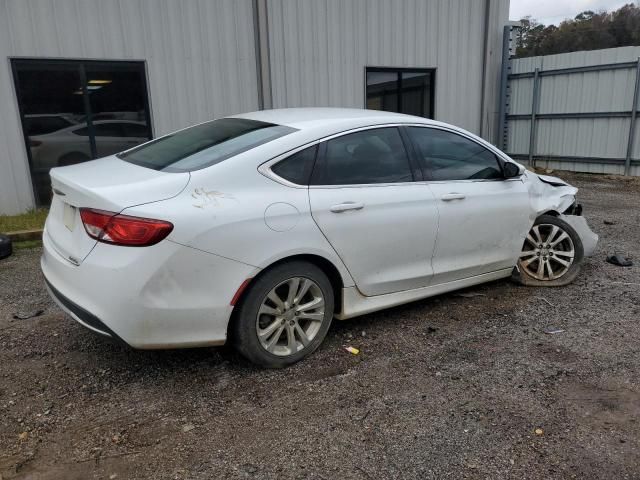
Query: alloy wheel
290, 316
548, 252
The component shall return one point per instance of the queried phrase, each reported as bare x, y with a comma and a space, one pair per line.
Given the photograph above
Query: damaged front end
553, 195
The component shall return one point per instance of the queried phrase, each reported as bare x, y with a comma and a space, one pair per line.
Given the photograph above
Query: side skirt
355, 304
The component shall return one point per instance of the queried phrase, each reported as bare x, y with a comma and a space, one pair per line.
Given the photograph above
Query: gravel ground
449, 387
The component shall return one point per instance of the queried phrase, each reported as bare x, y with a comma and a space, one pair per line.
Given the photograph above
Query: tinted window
83, 132
62, 97
297, 168
42, 125
369, 156
401, 90
107, 129
134, 130
115, 130
449, 156
204, 145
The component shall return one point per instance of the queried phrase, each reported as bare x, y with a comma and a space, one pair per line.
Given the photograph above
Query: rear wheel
552, 254
284, 315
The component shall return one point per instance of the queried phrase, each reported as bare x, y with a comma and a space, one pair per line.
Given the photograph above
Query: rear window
204, 145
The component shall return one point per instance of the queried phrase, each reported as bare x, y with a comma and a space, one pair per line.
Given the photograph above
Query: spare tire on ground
6, 248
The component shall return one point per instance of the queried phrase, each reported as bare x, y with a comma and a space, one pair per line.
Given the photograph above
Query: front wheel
285, 315
552, 254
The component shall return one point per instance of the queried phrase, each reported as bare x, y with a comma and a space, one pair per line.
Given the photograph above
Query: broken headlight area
574, 209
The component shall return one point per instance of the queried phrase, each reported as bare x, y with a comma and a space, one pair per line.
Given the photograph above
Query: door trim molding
355, 303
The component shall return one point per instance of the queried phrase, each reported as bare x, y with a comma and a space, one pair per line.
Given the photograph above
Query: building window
401, 90
74, 111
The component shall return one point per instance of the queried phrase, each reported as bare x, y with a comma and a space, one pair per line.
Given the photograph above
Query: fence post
533, 131
632, 126
502, 139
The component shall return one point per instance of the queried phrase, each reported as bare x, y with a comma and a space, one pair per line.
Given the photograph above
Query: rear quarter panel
233, 211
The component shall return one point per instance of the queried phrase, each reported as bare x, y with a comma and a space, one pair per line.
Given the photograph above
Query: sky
554, 11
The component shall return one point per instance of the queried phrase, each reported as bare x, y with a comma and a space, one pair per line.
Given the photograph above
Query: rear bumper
79, 314
164, 296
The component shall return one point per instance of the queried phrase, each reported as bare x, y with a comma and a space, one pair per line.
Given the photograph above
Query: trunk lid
107, 184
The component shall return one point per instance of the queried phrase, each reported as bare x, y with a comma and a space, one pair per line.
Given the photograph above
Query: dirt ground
449, 387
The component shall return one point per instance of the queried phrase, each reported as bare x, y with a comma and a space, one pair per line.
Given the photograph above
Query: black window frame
399, 71
81, 65
424, 166
319, 167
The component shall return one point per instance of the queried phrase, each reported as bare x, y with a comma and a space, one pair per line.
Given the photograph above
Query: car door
483, 217
366, 200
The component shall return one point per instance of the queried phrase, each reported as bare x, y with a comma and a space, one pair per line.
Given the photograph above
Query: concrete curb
24, 235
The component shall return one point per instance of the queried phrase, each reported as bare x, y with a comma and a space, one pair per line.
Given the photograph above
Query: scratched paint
209, 198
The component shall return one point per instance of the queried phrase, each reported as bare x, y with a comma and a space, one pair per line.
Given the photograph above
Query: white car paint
236, 218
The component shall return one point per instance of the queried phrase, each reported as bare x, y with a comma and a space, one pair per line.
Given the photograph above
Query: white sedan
263, 227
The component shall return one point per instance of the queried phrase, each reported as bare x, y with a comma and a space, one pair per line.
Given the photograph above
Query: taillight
116, 229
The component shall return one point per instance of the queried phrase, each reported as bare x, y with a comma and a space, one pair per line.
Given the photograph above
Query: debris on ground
539, 431
553, 330
27, 315
609, 222
546, 301
619, 260
352, 350
188, 427
470, 294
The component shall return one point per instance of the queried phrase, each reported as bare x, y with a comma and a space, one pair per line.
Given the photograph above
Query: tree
587, 31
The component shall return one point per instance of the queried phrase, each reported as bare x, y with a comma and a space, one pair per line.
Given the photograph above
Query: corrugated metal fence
575, 111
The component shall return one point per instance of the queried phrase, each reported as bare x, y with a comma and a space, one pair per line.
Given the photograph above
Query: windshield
204, 145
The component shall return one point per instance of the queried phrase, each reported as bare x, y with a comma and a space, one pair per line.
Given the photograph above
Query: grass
27, 244
33, 219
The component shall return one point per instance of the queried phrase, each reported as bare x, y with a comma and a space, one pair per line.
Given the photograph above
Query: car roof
330, 118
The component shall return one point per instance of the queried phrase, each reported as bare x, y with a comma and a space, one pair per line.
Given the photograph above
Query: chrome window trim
265, 168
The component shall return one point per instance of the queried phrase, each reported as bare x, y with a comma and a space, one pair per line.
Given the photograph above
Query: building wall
319, 50
201, 57
200, 60
589, 92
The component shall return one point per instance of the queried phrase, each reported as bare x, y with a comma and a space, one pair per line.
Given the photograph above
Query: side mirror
511, 170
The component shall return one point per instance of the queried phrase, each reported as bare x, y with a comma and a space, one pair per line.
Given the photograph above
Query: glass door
75, 111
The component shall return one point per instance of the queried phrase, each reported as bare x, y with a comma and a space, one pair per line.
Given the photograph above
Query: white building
81, 79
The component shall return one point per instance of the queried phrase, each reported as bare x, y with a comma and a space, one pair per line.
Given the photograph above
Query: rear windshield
204, 145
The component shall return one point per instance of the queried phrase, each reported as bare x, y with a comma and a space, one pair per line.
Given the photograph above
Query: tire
6, 248
564, 258
259, 312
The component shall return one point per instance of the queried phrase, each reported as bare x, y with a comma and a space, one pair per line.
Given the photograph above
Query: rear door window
204, 145
367, 157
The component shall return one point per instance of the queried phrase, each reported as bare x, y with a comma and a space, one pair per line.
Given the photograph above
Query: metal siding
319, 50
605, 91
200, 58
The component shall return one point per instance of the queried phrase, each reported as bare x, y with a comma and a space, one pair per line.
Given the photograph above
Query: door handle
346, 206
453, 196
